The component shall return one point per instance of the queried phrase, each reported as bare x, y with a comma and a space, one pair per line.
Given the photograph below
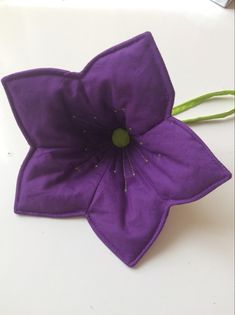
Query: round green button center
120, 137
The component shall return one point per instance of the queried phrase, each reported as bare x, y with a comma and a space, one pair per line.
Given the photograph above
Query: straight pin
124, 172
131, 164
142, 155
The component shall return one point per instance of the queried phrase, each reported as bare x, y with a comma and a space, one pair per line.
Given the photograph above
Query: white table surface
60, 267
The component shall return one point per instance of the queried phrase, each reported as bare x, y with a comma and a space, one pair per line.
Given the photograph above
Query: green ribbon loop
196, 101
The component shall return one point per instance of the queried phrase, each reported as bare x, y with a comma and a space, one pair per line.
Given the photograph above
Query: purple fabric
73, 169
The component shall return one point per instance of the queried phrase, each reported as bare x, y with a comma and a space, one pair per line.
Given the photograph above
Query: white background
59, 266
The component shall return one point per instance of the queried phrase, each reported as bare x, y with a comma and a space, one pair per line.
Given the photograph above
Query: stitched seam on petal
21, 174
112, 50
17, 117
98, 184
135, 258
22, 75
103, 238
35, 72
227, 174
165, 78
154, 235
196, 137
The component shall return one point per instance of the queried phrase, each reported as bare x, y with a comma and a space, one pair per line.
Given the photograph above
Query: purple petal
42, 111
181, 166
130, 78
59, 182
127, 222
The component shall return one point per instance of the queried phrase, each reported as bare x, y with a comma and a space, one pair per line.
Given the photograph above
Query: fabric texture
74, 169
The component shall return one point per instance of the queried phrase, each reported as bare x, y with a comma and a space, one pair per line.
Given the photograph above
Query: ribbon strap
196, 101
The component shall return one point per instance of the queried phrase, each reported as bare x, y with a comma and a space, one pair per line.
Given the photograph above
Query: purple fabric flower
103, 145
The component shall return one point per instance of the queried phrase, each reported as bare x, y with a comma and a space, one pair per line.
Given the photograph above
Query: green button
120, 137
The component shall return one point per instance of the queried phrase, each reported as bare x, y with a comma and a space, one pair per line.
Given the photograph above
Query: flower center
120, 137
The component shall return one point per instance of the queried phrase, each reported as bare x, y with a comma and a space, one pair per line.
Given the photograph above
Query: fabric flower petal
59, 182
127, 222
181, 166
44, 113
132, 79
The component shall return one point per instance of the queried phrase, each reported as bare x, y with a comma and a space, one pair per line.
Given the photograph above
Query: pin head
120, 137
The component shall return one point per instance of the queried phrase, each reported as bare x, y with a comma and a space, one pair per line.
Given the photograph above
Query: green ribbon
196, 101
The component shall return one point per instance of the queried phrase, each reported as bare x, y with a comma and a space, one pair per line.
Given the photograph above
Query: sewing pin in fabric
114, 166
124, 171
142, 155
130, 163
